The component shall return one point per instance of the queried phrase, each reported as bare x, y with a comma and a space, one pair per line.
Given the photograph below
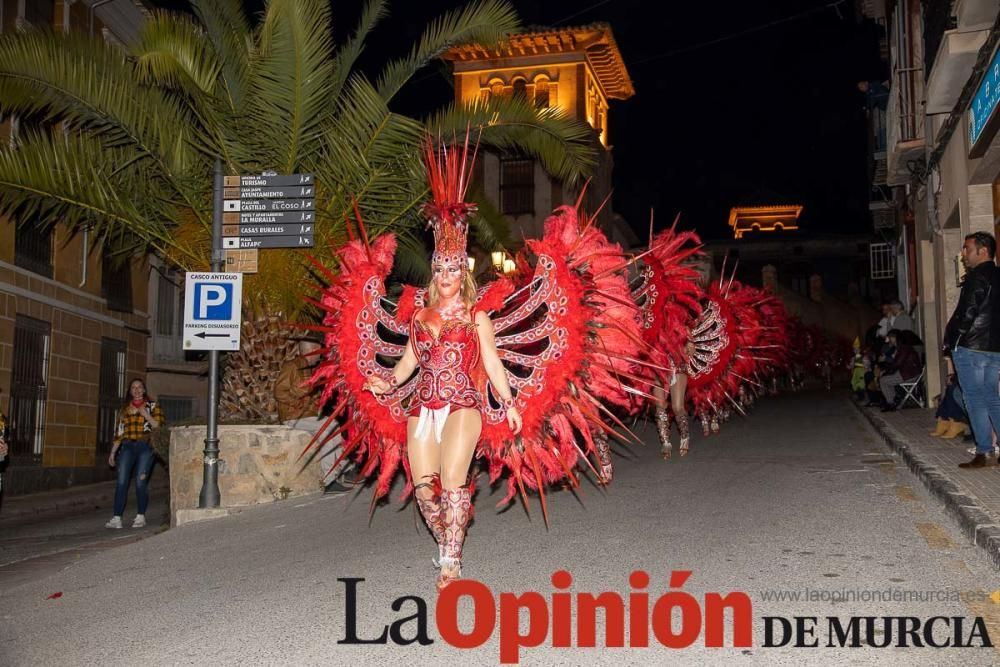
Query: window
40, 13
29, 387
517, 186
883, 262
520, 89
111, 391
176, 408
167, 345
33, 248
166, 305
542, 94
116, 282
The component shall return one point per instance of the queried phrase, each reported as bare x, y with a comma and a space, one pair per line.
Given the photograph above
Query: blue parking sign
213, 301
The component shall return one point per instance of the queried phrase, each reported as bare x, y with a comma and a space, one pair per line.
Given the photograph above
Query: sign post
209, 496
248, 213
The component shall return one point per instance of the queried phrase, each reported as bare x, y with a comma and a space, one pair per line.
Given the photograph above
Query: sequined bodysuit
445, 372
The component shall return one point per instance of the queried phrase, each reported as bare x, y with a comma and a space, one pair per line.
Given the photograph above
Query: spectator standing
972, 338
137, 420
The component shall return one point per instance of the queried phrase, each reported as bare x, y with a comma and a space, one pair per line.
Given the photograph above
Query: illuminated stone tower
577, 70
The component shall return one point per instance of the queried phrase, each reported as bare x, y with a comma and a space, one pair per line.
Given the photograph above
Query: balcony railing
905, 106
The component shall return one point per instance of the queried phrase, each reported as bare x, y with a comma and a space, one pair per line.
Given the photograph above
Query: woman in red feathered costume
668, 294
451, 341
519, 390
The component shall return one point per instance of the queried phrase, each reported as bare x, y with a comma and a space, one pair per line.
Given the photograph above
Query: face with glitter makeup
447, 275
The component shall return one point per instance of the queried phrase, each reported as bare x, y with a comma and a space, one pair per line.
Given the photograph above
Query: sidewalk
971, 497
74, 500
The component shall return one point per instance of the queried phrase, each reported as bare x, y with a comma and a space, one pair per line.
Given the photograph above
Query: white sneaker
140, 521
116, 522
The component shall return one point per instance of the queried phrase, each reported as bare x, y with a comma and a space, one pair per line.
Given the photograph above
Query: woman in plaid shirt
136, 421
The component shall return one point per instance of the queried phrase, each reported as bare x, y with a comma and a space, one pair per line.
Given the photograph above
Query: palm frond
490, 230
75, 181
372, 155
412, 264
291, 82
566, 147
347, 55
174, 51
229, 30
483, 22
87, 83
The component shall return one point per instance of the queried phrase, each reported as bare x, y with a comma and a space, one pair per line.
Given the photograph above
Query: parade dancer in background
667, 292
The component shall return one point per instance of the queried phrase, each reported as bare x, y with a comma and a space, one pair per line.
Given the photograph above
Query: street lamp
472, 264
509, 266
497, 257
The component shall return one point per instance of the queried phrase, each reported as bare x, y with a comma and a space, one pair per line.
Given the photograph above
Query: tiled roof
595, 40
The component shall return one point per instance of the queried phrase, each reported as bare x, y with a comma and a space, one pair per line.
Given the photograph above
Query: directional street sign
268, 217
213, 305
268, 181
267, 230
255, 192
267, 212
241, 261
298, 241
262, 205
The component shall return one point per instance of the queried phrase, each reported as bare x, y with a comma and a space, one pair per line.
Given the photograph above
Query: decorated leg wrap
430, 509
704, 424
682, 428
663, 429
607, 468
456, 510
714, 424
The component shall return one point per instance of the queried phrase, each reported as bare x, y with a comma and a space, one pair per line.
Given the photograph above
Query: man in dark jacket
972, 338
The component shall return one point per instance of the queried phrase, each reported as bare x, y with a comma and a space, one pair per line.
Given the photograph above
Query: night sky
736, 102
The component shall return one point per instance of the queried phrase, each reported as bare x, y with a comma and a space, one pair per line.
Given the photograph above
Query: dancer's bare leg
458, 445
678, 393
424, 455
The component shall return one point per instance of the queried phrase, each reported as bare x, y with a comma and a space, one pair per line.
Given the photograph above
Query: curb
74, 500
970, 516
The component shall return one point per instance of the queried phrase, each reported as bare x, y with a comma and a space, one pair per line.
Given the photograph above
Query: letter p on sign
213, 301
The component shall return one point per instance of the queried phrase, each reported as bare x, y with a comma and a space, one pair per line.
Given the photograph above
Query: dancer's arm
400, 373
495, 370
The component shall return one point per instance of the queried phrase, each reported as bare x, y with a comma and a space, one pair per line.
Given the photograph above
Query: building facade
575, 70
76, 324
942, 149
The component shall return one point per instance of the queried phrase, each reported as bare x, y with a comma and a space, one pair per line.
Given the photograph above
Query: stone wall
257, 464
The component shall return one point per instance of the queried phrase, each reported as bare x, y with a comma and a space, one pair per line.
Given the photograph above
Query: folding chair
913, 390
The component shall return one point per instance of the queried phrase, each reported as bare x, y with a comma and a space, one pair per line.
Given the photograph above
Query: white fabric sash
429, 417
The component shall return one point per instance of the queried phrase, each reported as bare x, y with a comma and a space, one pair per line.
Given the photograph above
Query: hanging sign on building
213, 310
983, 117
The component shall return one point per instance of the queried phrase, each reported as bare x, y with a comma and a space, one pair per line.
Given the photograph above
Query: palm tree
143, 129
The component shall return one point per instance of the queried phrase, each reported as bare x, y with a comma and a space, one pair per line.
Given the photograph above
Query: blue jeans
979, 376
952, 405
133, 455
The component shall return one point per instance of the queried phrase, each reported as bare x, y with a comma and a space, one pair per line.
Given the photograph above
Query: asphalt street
800, 498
